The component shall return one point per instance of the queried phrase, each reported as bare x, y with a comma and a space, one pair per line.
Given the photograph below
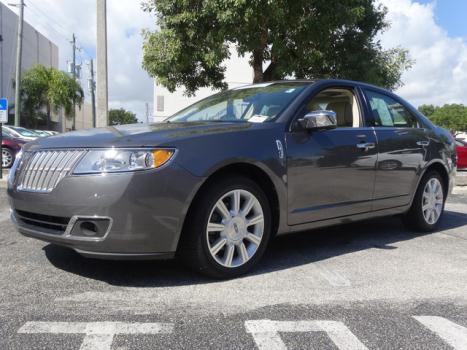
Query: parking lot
371, 285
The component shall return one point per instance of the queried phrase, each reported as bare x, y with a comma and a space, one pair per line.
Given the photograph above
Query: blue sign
3, 110
3, 104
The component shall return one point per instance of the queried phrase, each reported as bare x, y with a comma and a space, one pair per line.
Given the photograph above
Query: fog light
92, 228
88, 228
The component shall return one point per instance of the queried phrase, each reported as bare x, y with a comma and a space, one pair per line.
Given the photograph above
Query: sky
433, 31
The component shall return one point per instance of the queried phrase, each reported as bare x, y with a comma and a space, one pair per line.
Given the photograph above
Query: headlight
116, 160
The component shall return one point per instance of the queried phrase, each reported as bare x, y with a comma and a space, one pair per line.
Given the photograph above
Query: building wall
238, 73
36, 49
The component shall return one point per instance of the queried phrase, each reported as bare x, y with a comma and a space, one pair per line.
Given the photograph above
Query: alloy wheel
235, 228
432, 201
7, 158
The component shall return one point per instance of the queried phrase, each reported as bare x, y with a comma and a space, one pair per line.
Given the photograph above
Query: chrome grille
42, 171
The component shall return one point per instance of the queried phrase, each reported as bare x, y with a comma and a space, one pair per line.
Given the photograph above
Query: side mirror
317, 120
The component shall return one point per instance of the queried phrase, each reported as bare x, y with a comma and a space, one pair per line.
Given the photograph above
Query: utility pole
73, 73
92, 89
19, 55
102, 117
147, 113
1, 53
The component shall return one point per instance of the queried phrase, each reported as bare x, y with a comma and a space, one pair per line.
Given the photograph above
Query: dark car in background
461, 150
217, 181
11, 146
21, 133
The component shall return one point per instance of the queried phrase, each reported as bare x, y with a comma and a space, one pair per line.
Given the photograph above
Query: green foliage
427, 110
50, 89
121, 117
302, 38
451, 116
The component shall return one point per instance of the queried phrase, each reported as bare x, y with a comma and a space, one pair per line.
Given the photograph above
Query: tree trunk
258, 76
270, 72
48, 117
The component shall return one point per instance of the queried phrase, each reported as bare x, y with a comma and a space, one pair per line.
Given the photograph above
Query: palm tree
46, 87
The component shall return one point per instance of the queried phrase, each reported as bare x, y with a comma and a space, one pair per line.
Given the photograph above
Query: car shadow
284, 252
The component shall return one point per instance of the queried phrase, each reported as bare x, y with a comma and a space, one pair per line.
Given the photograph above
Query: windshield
258, 103
24, 132
6, 133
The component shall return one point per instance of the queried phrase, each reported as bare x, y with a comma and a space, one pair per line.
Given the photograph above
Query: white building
238, 73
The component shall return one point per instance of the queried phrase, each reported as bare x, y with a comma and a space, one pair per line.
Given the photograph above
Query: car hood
138, 135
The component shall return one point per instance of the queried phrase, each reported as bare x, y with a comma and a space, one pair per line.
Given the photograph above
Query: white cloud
439, 75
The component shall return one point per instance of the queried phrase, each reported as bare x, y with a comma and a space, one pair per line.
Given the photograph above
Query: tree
427, 110
301, 38
451, 116
121, 116
50, 89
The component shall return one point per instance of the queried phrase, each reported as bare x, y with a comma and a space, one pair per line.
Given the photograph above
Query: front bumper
138, 215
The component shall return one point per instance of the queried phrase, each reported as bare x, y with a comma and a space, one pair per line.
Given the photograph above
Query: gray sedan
216, 182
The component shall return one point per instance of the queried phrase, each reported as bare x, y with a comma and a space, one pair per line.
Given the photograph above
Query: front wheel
228, 229
8, 158
428, 204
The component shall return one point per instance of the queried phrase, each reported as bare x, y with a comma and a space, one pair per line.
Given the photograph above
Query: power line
50, 19
64, 31
48, 25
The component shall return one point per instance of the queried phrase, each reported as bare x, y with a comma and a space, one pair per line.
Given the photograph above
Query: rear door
329, 173
402, 147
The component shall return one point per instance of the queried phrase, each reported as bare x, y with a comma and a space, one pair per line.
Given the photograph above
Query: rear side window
388, 112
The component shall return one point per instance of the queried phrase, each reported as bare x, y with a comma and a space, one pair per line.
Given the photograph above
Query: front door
331, 173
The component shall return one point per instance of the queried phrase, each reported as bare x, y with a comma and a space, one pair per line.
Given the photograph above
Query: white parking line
334, 278
450, 332
98, 335
266, 333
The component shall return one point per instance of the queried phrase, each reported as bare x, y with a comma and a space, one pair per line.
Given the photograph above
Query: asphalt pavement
368, 285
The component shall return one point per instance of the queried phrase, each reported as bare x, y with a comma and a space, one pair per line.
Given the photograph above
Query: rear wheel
8, 158
228, 229
428, 205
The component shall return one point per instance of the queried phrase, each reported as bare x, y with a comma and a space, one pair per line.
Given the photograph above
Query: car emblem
280, 149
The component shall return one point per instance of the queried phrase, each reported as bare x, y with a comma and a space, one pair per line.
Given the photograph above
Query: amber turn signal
162, 156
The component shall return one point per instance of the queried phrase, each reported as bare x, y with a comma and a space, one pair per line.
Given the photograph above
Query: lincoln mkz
217, 181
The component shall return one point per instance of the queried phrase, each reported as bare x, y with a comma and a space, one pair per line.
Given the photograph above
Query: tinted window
257, 102
388, 112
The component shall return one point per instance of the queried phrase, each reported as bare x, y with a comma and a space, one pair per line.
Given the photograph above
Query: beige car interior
341, 101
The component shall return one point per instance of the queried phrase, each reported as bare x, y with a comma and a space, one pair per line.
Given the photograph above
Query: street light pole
92, 89
73, 73
19, 53
102, 77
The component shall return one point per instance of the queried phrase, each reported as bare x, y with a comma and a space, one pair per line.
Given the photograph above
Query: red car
461, 154
10, 147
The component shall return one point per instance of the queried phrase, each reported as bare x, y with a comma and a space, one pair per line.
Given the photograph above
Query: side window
387, 112
342, 101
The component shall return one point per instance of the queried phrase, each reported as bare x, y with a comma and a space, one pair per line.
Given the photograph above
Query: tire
420, 219
209, 250
8, 158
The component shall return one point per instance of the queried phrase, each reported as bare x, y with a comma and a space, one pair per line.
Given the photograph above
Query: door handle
423, 143
366, 145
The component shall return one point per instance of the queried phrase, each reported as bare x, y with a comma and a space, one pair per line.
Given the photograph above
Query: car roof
312, 82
